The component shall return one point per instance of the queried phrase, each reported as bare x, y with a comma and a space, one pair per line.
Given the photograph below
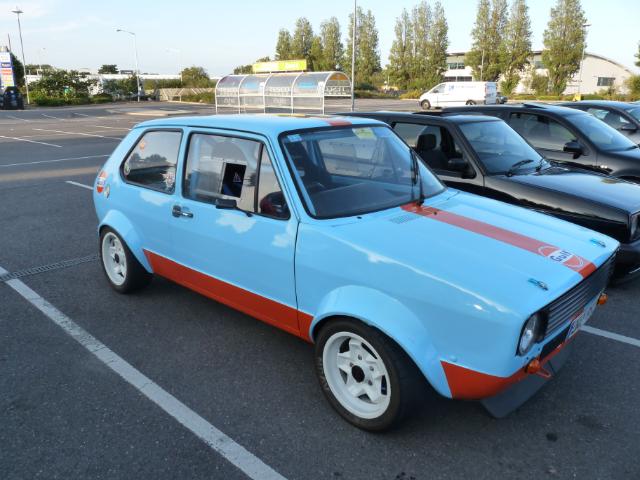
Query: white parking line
217, 440
80, 114
30, 141
611, 335
52, 161
18, 118
49, 116
71, 182
77, 133
114, 128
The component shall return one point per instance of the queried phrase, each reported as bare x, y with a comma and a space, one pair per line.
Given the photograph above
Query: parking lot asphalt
64, 414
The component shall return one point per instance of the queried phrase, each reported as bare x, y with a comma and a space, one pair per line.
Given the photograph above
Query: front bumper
627, 262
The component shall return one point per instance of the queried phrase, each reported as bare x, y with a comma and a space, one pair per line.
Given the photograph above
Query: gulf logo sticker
568, 259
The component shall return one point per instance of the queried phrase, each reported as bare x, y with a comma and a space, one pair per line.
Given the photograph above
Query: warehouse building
598, 73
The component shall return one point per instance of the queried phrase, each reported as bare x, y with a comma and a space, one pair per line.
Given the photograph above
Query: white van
449, 94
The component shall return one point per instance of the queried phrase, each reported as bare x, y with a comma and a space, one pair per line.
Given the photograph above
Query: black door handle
177, 211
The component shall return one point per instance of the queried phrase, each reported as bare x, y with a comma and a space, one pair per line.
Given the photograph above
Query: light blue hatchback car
333, 230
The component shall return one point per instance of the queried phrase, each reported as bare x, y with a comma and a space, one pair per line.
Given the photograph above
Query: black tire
136, 276
470, 102
425, 104
406, 381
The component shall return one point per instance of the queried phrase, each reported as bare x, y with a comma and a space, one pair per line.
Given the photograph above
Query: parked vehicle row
624, 117
335, 230
11, 99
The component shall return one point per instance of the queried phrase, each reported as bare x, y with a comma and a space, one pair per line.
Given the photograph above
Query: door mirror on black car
573, 147
628, 127
462, 166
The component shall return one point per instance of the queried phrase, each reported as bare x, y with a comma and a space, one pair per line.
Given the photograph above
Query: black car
501, 99
567, 135
11, 99
482, 155
624, 117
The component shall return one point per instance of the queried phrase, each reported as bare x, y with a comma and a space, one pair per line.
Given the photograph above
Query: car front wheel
365, 376
122, 269
425, 104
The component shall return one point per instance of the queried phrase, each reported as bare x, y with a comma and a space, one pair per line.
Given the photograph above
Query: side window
409, 132
152, 162
271, 201
541, 131
221, 167
611, 118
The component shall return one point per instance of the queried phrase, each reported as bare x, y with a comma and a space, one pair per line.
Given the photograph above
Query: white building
598, 73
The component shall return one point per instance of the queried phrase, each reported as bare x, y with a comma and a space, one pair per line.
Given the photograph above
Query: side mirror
628, 127
462, 166
573, 147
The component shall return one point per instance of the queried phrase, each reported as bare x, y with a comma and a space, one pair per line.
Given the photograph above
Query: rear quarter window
152, 162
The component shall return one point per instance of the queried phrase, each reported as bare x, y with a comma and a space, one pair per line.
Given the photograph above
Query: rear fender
123, 227
394, 319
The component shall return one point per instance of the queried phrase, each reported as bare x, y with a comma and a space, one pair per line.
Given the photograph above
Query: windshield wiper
540, 163
517, 165
415, 177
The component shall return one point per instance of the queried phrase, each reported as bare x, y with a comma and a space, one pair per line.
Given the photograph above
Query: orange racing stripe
575, 262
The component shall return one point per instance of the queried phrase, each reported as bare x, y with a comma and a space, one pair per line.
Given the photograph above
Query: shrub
523, 96
549, 97
203, 97
372, 94
633, 84
412, 94
102, 98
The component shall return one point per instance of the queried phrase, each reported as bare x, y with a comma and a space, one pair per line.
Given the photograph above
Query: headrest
426, 142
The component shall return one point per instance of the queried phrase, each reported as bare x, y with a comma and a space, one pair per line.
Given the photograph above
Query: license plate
582, 316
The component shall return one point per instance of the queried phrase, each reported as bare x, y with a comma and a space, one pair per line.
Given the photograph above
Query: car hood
589, 186
489, 252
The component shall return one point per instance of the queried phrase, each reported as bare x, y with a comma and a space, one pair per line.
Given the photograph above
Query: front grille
566, 306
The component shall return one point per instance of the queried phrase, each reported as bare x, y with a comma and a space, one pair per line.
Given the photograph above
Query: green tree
367, 54
517, 46
33, 68
637, 55
63, 83
332, 48
108, 68
487, 51
18, 70
401, 53
421, 23
195, 77
564, 41
539, 83
302, 39
315, 61
283, 46
436, 48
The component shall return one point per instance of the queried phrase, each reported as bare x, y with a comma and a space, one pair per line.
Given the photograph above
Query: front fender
121, 224
395, 320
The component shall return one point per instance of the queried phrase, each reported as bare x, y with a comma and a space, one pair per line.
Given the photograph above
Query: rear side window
152, 162
541, 131
227, 167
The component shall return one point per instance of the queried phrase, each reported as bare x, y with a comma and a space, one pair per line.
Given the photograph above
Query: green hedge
204, 97
412, 94
372, 94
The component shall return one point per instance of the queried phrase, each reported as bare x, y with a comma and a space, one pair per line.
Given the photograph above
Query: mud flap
504, 403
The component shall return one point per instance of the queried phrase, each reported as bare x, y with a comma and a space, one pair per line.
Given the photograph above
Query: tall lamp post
179, 53
353, 55
17, 11
584, 46
135, 47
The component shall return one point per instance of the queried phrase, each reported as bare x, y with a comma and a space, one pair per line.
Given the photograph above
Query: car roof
604, 103
455, 118
531, 107
272, 124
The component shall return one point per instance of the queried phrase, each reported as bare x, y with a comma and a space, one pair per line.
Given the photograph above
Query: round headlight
529, 334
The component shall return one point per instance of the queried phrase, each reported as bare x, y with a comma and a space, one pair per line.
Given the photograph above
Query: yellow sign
280, 66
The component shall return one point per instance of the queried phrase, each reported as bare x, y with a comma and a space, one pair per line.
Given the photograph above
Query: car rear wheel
425, 104
365, 376
122, 269
470, 102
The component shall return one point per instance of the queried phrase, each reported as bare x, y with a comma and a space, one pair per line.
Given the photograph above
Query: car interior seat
427, 149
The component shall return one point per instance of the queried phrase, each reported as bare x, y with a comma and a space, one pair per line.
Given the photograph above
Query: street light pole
179, 52
17, 11
135, 47
584, 46
353, 55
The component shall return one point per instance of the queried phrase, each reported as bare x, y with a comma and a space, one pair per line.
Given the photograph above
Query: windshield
349, 171
635, 113
499, 147
602, 135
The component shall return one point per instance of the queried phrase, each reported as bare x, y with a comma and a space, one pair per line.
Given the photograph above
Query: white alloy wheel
356, 375
114, 259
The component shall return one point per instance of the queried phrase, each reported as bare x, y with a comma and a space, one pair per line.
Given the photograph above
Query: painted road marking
53, 161
215, 439
18, 118
114, 128
71, 182
80, 114
49, 116
77, 133
30, 141
611, 335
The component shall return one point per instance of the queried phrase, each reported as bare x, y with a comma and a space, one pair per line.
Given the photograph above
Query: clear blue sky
222, 34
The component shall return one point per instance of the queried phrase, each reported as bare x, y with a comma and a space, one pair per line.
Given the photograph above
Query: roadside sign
6, 70
280, 66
